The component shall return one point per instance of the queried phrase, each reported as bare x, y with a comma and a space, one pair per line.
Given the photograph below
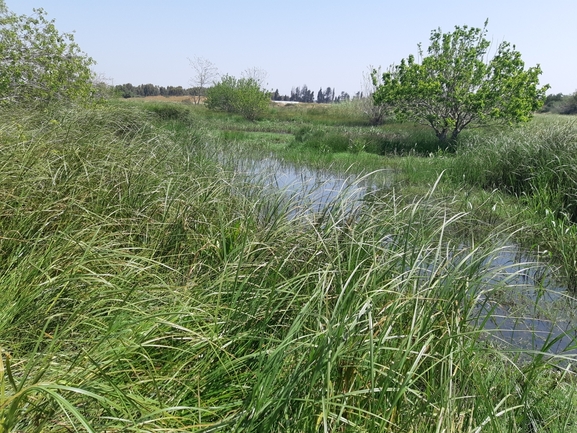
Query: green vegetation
538, 165
242, 96
39, 64
560, 104
148, 285
153, 280
454, 87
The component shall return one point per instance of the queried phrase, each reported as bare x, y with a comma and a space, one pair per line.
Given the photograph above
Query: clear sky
319, 43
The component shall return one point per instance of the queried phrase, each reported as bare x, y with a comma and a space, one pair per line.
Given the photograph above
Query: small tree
205, 74
39, 64
454, 87
240, 96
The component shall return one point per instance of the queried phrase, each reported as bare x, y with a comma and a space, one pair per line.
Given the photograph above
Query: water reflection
312, 190
524, 306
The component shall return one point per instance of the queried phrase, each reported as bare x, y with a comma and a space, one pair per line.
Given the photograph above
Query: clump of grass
399, 141
537, 162
170, 111
322, 140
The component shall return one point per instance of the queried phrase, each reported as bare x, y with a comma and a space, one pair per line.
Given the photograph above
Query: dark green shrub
569, 104
551, 102
560, 104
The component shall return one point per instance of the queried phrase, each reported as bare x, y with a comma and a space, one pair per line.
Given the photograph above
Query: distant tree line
298, 94
129, 91
304, 94
560, 104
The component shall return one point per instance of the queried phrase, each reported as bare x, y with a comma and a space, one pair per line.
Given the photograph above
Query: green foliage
39, 64
454, 87
538, 164
538, 161
242, 96
329, 140
569, 105
410, 139
551, 101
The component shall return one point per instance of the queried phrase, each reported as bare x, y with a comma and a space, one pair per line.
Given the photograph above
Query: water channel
527, 309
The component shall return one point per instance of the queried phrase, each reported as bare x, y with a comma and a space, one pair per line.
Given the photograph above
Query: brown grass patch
185, 98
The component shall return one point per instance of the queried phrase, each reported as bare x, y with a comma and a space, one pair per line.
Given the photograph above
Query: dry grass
185, 98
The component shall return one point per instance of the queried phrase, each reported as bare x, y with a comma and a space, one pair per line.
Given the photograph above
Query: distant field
186, 98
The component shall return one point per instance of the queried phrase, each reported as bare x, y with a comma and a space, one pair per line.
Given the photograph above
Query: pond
312, 190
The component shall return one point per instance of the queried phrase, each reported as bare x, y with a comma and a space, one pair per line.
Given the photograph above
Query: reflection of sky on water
309, 190
526, 308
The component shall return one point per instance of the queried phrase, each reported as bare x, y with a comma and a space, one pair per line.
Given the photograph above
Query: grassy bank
146, 286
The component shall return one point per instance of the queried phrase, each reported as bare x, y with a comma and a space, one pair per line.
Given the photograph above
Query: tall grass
538, 164
144, 287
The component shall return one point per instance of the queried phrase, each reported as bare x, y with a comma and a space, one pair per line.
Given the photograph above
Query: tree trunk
454, 134
442, 135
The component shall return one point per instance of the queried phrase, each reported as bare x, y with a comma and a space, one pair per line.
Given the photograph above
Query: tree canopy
455, 86
38, 63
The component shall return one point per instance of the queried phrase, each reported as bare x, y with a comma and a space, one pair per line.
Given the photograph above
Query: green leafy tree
221, 96
39, 64
455, 86
242, 96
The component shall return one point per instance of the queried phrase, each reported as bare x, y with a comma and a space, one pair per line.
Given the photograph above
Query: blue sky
316, 42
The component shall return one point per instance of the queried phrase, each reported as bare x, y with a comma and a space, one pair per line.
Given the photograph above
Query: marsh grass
146, 286
537, 164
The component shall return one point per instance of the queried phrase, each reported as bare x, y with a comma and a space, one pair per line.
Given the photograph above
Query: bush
569, 104
239, 96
